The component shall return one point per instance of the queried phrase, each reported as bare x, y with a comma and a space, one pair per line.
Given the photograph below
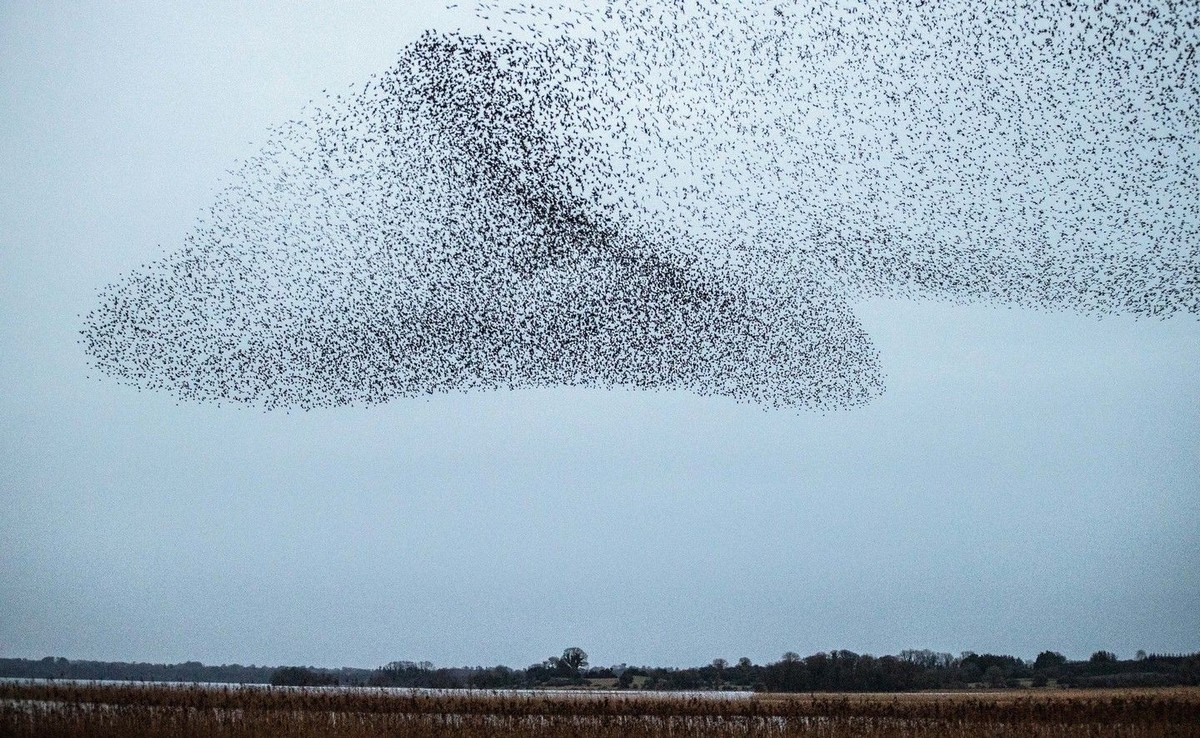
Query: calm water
581, 693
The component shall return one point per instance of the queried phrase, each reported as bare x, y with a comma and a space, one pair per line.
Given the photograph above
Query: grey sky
1028, 480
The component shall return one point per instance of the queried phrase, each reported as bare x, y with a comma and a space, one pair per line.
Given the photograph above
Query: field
120, 710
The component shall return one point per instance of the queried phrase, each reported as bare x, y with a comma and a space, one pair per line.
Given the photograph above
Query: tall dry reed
119, 710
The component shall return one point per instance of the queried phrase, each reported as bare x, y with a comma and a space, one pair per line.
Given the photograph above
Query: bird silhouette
681, 195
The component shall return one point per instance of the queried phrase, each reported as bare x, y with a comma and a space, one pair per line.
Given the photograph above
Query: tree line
832, 671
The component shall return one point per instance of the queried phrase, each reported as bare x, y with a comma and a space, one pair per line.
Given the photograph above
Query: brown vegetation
121, 710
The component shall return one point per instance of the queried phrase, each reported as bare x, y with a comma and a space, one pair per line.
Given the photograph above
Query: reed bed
128, 710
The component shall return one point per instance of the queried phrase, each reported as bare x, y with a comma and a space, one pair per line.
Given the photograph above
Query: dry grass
52, 710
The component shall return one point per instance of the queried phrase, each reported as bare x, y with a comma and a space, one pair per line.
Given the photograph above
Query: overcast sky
1028, 481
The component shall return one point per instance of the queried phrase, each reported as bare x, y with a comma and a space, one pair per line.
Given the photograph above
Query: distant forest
833, 671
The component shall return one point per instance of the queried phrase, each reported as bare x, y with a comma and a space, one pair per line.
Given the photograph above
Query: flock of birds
682, 194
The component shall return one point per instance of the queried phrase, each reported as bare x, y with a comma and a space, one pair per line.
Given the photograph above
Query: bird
680, 195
